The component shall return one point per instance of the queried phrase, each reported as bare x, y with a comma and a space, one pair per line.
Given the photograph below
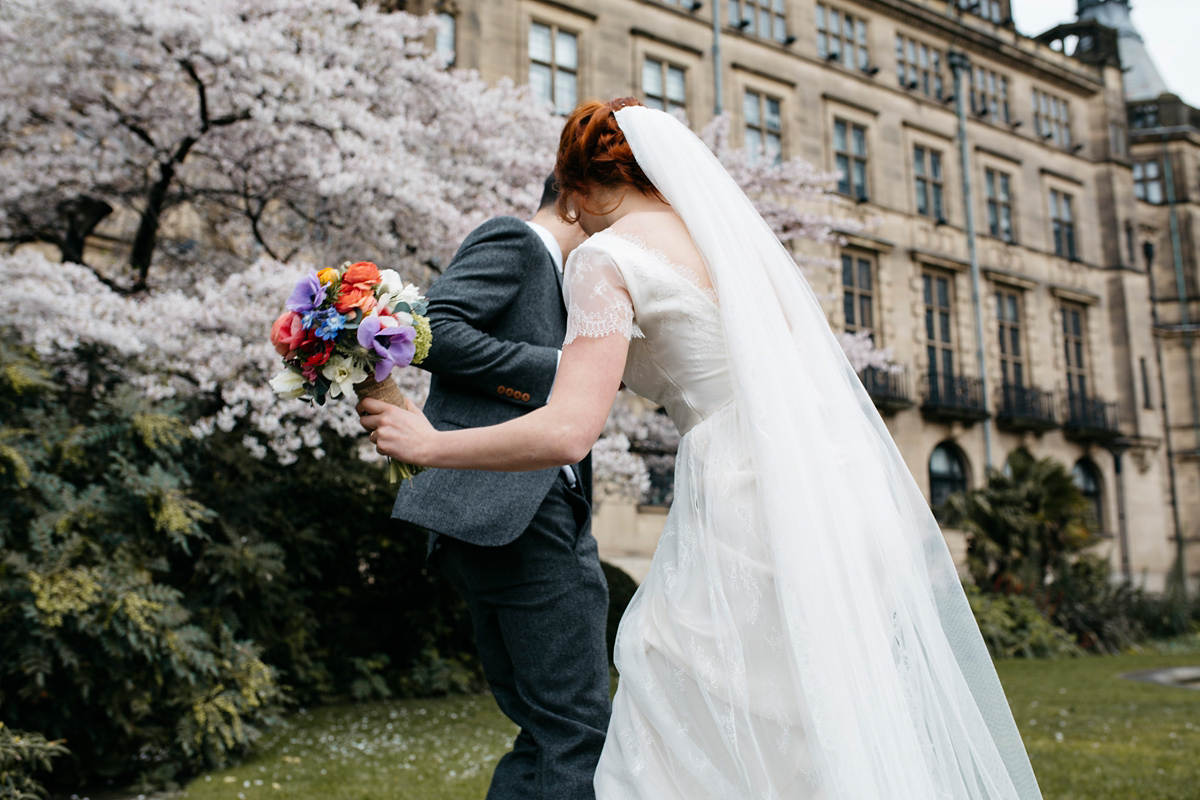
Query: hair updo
593, 154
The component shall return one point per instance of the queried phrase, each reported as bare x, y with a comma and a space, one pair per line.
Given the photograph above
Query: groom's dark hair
549, 192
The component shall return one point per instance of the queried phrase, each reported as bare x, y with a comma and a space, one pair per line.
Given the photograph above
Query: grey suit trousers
538, 605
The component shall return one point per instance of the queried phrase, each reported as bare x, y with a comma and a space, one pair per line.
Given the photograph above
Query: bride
802, 632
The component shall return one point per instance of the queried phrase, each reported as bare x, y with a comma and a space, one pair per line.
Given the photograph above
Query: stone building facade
1073, 359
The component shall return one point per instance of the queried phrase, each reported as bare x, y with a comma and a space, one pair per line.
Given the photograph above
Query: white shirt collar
550, 242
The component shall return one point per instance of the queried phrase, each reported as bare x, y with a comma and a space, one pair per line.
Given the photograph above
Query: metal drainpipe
1180, 548
718, 99
959, 62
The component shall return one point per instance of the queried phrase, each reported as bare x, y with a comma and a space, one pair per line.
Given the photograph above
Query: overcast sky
1170, 28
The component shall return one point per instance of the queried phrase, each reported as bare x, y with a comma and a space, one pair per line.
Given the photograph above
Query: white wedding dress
801, 633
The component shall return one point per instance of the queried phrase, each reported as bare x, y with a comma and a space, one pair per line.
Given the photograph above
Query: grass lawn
1090, 734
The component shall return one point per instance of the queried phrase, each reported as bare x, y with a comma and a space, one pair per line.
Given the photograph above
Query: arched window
947, 474
1087, 478
1020, 456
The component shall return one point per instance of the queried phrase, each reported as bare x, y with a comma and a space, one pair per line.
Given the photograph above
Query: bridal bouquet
344, 331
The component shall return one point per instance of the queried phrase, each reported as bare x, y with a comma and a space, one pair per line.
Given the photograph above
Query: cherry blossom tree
173, 133
189, 161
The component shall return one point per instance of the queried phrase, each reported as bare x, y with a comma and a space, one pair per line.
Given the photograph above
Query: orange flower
358, 288
363, 275
349, 298
327, 276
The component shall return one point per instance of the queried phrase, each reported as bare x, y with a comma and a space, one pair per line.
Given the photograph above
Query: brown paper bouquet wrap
389, 392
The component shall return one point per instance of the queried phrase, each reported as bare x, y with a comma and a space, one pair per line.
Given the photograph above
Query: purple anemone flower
308, 294
394, 346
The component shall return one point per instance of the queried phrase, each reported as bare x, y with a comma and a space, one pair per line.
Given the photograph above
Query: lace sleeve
597, 298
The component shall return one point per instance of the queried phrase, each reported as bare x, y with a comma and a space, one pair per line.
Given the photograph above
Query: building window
850, 158
997, 187
919, 67
1087, 478
987, 9
947, 474
927, 167
1130, 248
1074, 320
1052, 118
939, 328
1142, 117
764, 126
444, 43
858, 293
663, 85
1148, 181
989, 95
1012, 356
554, 66
842, 37
1062, 220
763, 18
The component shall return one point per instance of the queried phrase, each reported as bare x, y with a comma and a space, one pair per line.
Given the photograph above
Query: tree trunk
81, 215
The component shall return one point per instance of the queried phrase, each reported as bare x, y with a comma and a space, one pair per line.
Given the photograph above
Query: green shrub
22, 755
157, 591
1014, 627
98, 645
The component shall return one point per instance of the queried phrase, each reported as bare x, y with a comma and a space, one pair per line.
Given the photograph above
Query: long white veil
900, 698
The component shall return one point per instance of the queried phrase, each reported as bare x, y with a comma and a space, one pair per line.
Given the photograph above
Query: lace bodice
615, 283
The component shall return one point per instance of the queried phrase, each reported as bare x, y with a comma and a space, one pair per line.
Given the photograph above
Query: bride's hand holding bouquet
344, 331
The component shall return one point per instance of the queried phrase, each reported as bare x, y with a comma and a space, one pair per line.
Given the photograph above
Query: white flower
393, 290
289, 384
343, 374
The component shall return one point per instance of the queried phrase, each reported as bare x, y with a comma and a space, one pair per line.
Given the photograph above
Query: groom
517, 545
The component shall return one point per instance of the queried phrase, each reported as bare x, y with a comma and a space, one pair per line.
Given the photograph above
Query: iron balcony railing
952, 397
888, 388
1024, 408
1090, 418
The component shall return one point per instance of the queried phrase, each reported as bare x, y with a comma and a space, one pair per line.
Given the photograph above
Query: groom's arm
479, 286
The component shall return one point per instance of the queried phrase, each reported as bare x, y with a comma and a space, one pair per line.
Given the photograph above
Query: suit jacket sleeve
479, 286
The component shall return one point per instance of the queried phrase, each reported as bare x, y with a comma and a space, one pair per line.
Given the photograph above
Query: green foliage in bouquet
98, 645
22, 755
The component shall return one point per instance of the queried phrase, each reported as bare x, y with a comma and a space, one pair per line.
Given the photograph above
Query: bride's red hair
593, 154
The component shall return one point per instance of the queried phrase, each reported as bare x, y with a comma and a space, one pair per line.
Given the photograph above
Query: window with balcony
445, 44
1062, 224
554, 66
764, 126
989, 95
858, 293
939, 322
1074, 322
763, 18
919, 67
998, 190
842, 37
1052, 119
927, 170
850, 158
663, 85
1008, 318
1148, 181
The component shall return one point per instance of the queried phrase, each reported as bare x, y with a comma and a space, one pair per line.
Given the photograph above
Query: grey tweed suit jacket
498, 322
